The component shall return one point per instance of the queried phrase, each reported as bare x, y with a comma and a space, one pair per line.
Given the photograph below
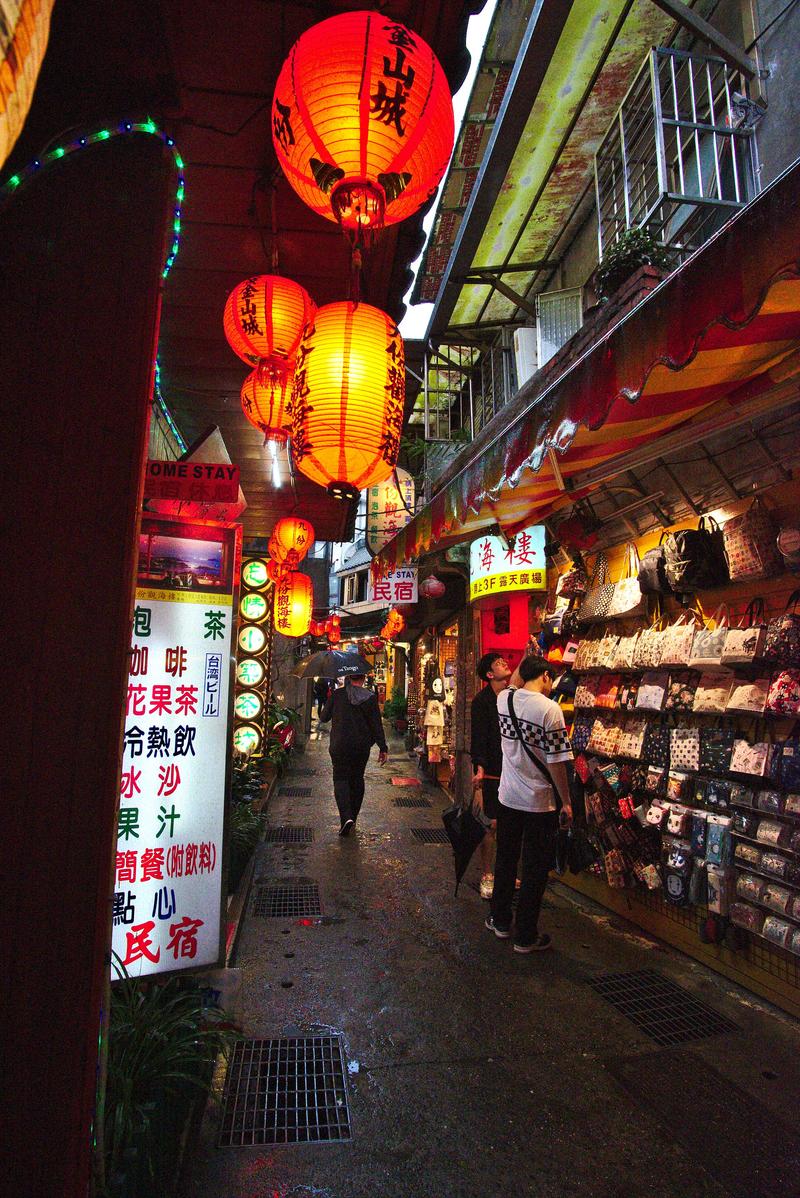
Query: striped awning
722, 329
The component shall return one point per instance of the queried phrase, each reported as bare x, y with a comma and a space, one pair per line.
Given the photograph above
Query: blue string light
165, 412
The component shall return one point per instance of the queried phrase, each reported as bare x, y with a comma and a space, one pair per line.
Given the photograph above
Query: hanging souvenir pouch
631, 741
745, 644
697, 832
628, 600
583, 768
718, 840
678, 786
647, 654
750, 541
790, 768
741, 796
677, 820
676, 643
624, 652
608, 690
718, 794
605, 652
652, 691
598, 600
628, 693
716, 746
657, 814
573, 583
681, 691
713, 692
581, 731
709, 642
570, 653
783, 635
750, 697
656, 780
586, 692
655, 750
684, 748
750, 759
784, 693
610, 775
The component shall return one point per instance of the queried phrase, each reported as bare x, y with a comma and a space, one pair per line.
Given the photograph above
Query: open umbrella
332, 663
465, 832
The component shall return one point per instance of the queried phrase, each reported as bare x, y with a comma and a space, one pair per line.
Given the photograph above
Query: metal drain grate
411, 802
287, 1091
289, 835
294, 792
285, 900
665, 1012
430, 835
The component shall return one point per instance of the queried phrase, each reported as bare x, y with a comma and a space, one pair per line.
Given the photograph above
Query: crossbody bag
543, 770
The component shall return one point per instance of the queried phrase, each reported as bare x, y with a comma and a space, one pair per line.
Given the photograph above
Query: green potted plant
632, 249
396, 710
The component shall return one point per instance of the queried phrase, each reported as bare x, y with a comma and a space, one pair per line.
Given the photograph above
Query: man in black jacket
356, 727
487, 755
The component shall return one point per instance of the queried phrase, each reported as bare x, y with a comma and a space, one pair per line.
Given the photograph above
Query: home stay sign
495, 566
398, 587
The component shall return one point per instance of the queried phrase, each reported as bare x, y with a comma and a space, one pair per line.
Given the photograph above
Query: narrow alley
471, 1071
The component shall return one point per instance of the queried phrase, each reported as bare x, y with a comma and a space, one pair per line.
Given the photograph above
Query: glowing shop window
246, 738
253, 607
247, 706
252, 639
249, 672
254, 574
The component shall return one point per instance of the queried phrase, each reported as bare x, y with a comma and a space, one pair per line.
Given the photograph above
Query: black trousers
533, 833
348, 782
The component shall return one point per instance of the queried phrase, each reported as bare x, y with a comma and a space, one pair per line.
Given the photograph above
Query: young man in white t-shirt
529, 801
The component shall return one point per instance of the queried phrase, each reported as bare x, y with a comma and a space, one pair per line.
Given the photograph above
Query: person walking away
487, 756
355, 727
321, 691
533, 784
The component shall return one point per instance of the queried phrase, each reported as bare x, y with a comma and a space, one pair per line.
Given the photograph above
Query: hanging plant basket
634, 249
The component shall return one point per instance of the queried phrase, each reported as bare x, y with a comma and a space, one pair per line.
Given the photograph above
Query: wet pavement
473, 1071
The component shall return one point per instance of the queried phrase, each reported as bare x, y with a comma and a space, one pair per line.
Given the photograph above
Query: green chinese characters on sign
249, 672
253, 607
247, 705
254, 574
246, 739
252, 639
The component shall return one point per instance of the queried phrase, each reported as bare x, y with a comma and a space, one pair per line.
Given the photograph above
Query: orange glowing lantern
348, 398
362, 120
264, 320
294, 599
274, 570
291, 539
265, 400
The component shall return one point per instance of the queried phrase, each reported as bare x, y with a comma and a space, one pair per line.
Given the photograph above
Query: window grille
677, 159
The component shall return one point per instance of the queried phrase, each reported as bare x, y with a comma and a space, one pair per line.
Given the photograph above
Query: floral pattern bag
681, 691
628, 600
783, 635
647, 655
713, 692
684, 748
709, 642
586, 692
743, 645
784, 693
750, 541
749, 697
676, 645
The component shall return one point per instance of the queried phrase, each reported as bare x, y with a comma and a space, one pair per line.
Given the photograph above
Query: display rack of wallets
689, 756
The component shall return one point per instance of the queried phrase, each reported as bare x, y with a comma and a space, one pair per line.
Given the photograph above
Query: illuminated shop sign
496, 567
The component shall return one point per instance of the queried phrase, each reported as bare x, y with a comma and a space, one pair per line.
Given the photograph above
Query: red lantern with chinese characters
265, 399
274, 570
432, 587
264, 320
362, 120
348, 398
291, 539
294, 599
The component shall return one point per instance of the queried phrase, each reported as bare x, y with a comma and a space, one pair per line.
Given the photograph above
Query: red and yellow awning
722, 329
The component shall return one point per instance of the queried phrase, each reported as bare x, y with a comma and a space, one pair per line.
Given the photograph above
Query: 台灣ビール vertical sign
167, 902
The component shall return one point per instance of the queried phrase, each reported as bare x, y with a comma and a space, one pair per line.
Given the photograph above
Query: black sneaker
501, 933
541, 942
346, 826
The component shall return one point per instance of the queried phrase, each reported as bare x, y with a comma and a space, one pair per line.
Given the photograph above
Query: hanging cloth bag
751, 544
676, 643
596, 604
652, 571
782, 643
694, 558
628, 601
709, 642
743, 645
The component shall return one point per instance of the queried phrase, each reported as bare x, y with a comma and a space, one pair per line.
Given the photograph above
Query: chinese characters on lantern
519, 565
168, 876
398, 587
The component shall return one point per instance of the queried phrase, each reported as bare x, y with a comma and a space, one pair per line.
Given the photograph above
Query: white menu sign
168, 876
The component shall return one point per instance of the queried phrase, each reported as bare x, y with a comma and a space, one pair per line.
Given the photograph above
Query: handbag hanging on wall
782, 642
695, 558
596, 604
709, 642
676, 644
751, 548
652, 571
745, 644
628, 600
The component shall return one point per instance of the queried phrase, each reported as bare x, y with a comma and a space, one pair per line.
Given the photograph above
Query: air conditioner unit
525, 353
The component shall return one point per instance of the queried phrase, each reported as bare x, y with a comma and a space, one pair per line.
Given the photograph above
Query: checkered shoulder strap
539, 765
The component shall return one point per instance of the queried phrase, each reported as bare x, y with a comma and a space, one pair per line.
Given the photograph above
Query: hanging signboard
208, 481
167, 909
389, 508
495, 566
398, 587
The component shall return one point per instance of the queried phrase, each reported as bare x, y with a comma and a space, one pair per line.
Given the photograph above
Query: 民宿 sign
495, 567
168, 875
398, 587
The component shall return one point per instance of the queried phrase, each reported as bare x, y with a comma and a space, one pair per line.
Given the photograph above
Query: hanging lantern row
362, 121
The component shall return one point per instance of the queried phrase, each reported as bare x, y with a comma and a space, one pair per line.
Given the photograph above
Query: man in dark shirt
487, 755
356, 727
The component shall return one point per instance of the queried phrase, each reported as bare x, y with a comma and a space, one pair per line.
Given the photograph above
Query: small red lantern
362, 120
291, 539
432, 587
294, 599
264, 320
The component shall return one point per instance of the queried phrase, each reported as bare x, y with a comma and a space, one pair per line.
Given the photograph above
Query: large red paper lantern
294, 600
265, 399
291, 539
362, 120
432, 587
348, 398
264, 320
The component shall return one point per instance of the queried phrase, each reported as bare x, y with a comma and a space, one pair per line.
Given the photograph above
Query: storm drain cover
287, 1091
287, 835
285, 900
411, 802
294, 792
430, 835
666, 1013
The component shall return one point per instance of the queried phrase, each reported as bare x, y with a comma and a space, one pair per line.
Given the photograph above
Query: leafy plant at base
396, 708
634, 248
245, 828
247, 778
163, 1043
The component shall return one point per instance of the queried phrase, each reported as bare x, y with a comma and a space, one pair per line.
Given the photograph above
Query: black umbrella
332, 663
465, 832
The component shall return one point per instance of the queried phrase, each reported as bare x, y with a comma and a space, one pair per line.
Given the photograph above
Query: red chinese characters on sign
205, 481
397, 587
